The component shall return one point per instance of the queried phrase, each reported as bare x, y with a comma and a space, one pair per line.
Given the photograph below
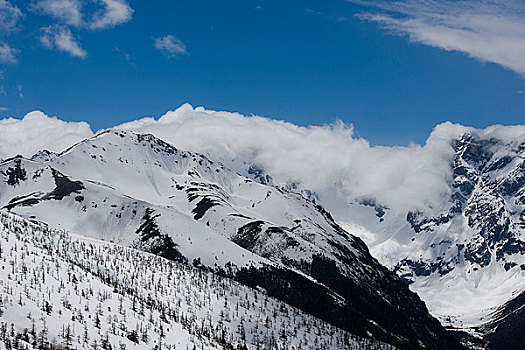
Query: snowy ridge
72, 292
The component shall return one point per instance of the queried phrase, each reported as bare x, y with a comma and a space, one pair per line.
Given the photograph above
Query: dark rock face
425, 269
421, 223
247, 235
400, 319
153, 241
487, 209
27, 200
15, 174
64, 187
259, 175
203, 206
371, 202
506, 331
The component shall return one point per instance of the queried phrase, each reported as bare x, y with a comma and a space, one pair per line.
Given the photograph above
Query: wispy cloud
102, 14
61, 39
8, 55
488, 30
20, 90
313, 12
126, 56
170, 46
10, 16
66, 11
115, 12
92, 15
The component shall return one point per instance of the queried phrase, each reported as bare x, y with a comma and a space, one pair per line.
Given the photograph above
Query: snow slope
82, 293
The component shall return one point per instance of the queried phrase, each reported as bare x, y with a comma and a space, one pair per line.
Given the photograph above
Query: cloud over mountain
327, 159
36, 131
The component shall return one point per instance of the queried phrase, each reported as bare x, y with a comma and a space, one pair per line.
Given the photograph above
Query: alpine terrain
228, 246
464, 252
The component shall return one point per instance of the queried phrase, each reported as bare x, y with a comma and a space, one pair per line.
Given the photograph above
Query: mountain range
443, 273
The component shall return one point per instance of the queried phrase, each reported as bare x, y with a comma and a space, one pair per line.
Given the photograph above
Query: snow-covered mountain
139, 191
69, 292
464, 252
475, 244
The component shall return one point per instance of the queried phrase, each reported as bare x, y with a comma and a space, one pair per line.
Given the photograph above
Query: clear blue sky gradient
290, 60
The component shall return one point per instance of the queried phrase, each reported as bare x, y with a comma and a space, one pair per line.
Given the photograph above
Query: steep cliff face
476, 244
489, 199
505, 329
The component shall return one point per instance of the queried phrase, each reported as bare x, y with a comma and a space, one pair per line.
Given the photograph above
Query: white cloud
8, 54
115, 12
488, 30
66, 11
329, 160
79, 13
95, 14
10, 15
3, 109
61, 38
20, 90
36, 131
325, 159
170, 46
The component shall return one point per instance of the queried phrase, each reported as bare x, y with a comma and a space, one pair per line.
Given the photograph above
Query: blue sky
393, 69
